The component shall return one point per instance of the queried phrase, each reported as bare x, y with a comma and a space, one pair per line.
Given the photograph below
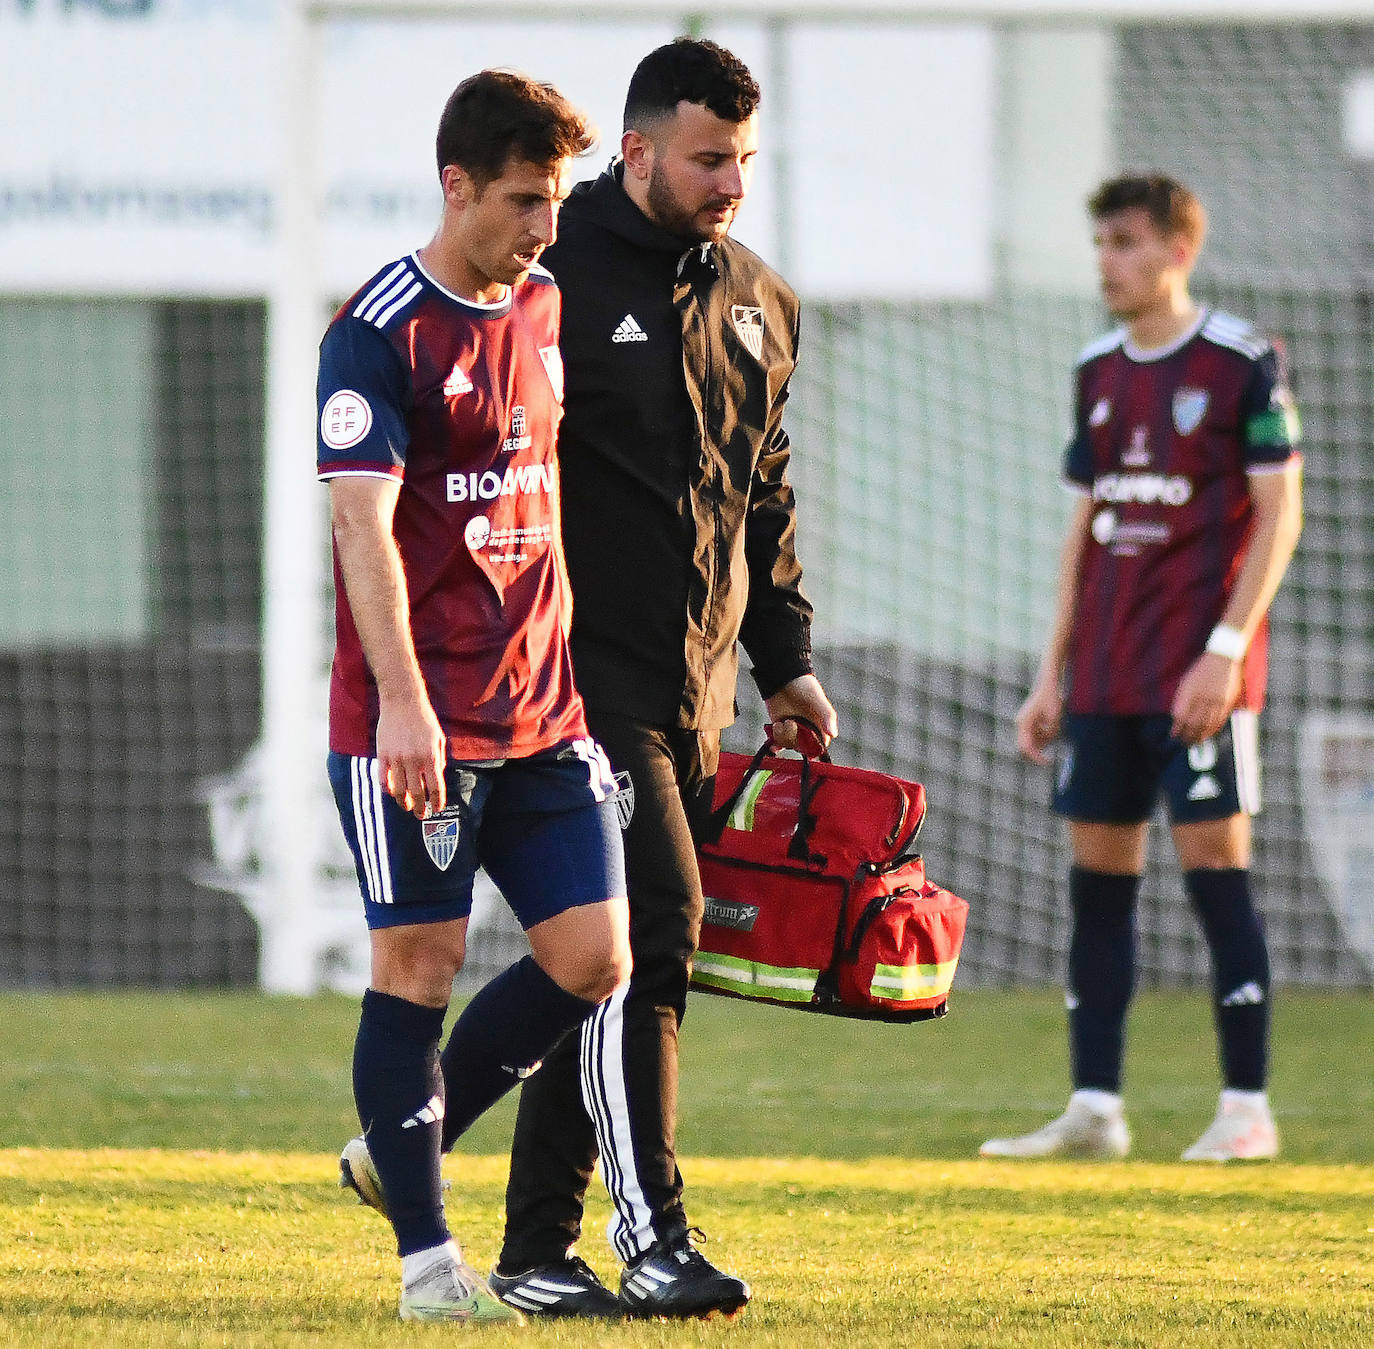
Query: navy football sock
1240, 973
1101, 974
400, 1097
500, 1038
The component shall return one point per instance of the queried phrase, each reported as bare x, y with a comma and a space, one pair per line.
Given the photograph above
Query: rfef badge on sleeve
440, 833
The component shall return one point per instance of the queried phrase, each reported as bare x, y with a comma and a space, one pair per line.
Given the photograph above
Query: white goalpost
293, 540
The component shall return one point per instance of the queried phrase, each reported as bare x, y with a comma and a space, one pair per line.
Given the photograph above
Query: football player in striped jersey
1185, 466
457, 736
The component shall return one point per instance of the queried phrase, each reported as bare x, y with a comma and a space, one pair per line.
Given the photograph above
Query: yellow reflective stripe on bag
750, 979
904, 982
742, 817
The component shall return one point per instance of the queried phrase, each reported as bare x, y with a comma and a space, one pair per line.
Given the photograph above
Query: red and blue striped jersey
460, 402
1164, 442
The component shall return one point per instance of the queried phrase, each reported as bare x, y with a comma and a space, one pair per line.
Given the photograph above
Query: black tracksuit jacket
678, 517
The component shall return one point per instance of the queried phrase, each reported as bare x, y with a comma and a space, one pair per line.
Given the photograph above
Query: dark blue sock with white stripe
400, 1097
502, 1037
1240, 973
1101, 974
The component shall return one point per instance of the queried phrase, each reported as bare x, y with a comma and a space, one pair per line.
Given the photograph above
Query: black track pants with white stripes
612, 1089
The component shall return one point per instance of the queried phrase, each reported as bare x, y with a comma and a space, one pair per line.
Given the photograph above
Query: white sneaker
1243, 1130
1080, 1131
450, 1290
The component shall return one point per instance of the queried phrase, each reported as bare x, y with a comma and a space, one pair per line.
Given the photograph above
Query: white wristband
1227, 641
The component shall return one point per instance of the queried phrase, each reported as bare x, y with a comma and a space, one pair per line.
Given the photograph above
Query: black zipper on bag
875, 906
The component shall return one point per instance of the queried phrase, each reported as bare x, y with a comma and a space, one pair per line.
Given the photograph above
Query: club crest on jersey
1102, 411
1190, 407
1065, 774
440, 833
457, 382
519, 438
624, 798
748, 321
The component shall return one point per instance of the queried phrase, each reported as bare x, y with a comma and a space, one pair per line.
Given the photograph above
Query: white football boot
1094, 1125
357, 1173
1243, 1130
451, 1290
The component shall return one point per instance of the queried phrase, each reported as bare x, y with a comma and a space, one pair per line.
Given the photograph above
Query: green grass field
167, 1177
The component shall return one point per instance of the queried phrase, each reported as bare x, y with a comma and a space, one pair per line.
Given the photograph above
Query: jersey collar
1146, 354
496, 310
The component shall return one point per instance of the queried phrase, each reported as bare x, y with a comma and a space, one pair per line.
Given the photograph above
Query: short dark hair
498, 114
1171, 207
691, 70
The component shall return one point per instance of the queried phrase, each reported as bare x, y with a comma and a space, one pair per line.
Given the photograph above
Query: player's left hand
1205, 697
803, 697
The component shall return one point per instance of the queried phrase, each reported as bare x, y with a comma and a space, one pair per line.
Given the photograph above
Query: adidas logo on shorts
1206, 788
627, 330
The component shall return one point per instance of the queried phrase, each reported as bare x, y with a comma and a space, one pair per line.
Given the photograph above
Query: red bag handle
810, 737
800, 847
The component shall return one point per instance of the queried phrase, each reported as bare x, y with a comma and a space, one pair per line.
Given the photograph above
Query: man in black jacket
678, 520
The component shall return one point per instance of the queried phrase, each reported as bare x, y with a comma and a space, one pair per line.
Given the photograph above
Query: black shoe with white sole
673, 1278
567, 1287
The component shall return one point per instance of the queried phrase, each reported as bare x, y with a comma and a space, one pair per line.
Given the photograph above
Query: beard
667, 210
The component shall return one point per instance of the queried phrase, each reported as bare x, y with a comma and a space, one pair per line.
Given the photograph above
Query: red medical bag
815, 897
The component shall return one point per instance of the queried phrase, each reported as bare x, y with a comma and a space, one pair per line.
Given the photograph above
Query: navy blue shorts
1113, 770
544, 828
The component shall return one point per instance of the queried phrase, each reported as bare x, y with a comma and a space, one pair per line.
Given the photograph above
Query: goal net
927, 437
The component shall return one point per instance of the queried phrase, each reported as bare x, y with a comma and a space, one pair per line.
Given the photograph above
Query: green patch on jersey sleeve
1274, 426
